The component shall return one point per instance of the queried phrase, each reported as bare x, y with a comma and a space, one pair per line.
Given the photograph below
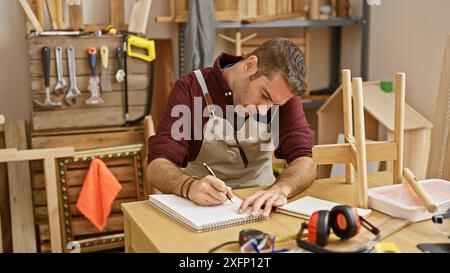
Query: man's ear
251, 64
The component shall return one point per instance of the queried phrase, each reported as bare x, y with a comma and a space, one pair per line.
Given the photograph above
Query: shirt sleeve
296, 137
162, 144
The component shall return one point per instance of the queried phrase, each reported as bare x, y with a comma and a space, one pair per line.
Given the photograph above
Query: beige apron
220, 151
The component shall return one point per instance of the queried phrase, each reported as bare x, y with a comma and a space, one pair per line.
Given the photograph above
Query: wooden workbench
149, 230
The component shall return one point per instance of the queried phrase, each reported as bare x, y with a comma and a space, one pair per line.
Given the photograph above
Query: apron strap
206, 95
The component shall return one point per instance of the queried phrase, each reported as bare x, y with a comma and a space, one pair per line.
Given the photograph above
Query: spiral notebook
201, 219
304, 207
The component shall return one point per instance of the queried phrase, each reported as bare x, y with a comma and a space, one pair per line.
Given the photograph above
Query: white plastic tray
400, 200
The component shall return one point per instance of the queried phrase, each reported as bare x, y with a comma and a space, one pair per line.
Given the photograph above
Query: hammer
48, 103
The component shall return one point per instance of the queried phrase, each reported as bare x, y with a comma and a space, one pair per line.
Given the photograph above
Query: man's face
262, 92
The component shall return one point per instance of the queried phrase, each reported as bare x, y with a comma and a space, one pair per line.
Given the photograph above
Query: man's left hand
273, 197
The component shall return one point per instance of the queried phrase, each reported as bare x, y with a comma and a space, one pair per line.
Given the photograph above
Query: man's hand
209, 191
270, 198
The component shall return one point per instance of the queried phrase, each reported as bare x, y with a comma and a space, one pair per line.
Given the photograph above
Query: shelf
332, 22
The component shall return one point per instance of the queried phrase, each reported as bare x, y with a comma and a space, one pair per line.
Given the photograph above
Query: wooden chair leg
360, 139
348, 120
400, 84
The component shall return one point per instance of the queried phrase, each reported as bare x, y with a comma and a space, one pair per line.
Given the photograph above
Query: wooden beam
400, 82
341, 153
20, 193
139, 16
11, 155
59, 14
31, 15
360, 138
348, 120
261, 19
53, 204
40, 6
117, 13
76, 14
51, 7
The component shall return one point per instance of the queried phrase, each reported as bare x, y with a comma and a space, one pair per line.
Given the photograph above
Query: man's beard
240, 91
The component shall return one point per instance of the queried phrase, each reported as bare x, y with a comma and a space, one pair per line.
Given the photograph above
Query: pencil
213, 174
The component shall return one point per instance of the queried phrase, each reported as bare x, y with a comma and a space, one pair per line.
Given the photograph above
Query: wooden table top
166, 235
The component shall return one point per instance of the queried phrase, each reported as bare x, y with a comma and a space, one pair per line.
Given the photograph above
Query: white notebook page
308, 205
200, 216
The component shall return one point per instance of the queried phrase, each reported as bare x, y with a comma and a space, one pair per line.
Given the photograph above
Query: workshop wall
15, 102
396, 47
400, 31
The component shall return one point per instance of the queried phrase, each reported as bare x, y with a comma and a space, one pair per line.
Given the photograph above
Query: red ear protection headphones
343, 220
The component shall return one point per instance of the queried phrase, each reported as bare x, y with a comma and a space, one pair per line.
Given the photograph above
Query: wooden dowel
231, 40
423, 196
238, 42
348, 121
249, 37
360, 137
400, 82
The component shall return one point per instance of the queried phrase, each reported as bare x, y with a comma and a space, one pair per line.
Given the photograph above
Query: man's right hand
209, 191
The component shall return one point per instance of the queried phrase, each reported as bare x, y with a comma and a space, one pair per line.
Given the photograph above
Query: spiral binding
232, 222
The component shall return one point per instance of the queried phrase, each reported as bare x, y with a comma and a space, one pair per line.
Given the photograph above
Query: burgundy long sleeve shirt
296, 138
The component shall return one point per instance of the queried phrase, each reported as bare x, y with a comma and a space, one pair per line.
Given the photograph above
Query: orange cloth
99, 190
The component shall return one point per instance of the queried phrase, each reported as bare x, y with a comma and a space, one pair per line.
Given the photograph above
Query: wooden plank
269, 18
128, 192
96, 140
439, 163
5, 216
139, 16
28, 155
51, 7
112, 99
136, 82
137, 67
60, 15
40, 6
53, 205
31, 15
80, 44
84, 118
21, 203
76, 177
76, 14
81, 226
117, 13
340, 153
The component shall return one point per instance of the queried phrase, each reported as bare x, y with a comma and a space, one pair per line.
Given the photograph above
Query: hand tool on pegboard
120, 74
95, 98
48, 103
130, 42
106, 80
61, 84
73, 93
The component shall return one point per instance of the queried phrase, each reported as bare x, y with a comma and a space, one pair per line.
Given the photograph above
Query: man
272, 75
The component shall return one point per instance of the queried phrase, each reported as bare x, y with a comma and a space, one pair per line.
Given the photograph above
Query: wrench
61, 82
120, 75
73, 91
48, 103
